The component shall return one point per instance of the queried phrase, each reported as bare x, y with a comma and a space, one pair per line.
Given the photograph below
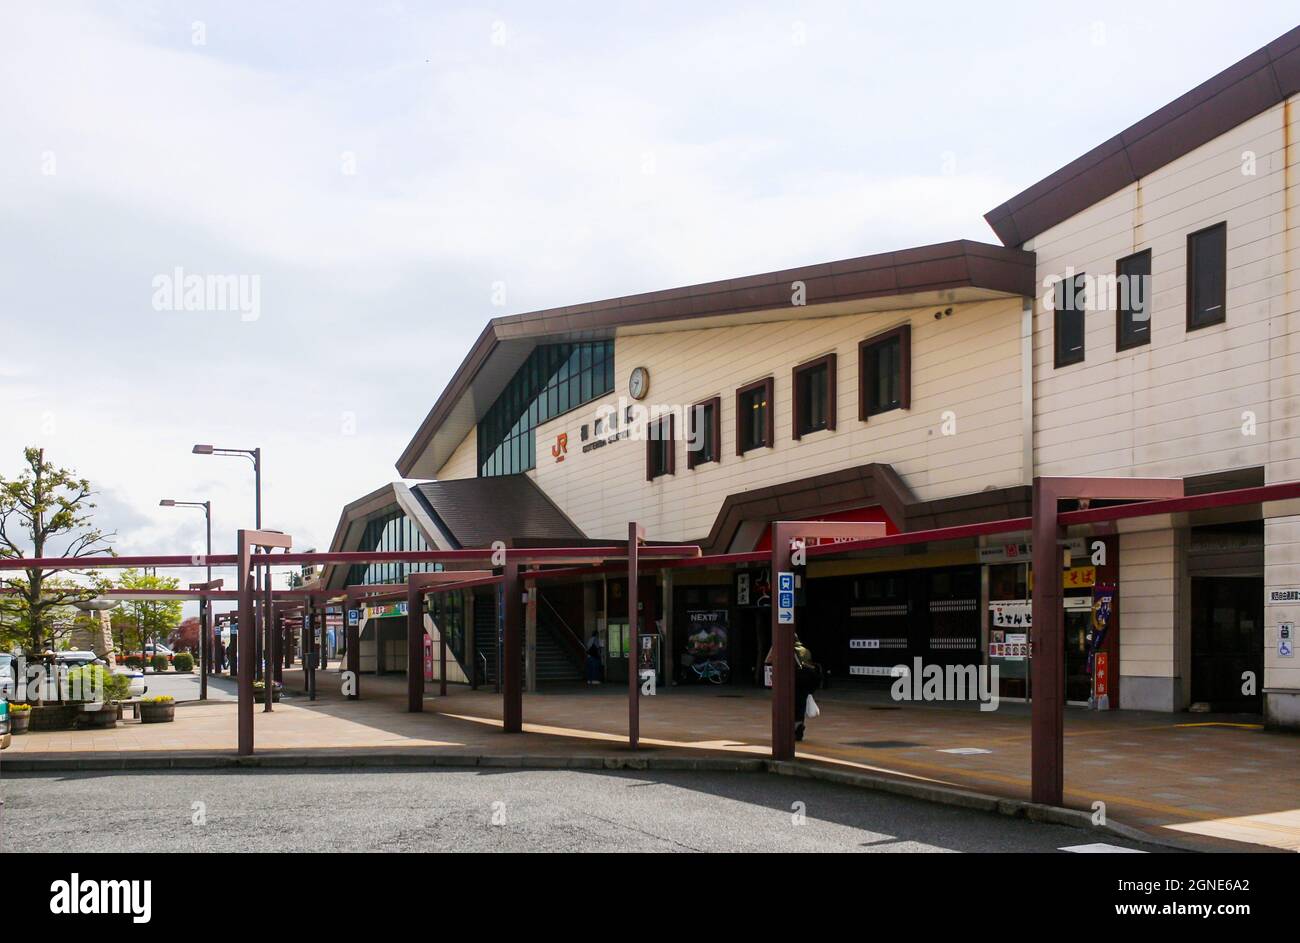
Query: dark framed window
660, 454
755, 408
554, 379
704, 436
813, 384
1207, 277
1133, 300
885, 372
1067, 320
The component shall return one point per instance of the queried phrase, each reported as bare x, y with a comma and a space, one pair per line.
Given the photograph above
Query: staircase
555, 661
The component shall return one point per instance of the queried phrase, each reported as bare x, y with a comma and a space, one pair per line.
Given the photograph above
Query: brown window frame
692, 455
796, 395
1191, 280
1120, 342
1059, 362
768, 386
904, 334
653, 439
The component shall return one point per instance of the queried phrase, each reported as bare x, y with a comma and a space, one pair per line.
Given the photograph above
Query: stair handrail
568, 636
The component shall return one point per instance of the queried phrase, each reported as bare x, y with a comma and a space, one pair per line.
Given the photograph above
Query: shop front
1090, 618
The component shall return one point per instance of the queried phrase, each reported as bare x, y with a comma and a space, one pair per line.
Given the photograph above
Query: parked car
149, 651
75, 659
138, 687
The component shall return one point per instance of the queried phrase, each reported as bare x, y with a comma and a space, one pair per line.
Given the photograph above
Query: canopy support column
512, 708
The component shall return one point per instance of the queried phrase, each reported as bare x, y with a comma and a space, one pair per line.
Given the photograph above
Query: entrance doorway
1227, 641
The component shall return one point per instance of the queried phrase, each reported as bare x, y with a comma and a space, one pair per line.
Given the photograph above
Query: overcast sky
380, 167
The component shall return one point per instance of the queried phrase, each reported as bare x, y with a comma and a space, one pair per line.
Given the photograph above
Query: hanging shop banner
389, 609
1012, 614
706, 634
753, 588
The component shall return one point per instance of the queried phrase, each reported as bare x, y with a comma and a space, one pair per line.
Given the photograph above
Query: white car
138, 687
75, 659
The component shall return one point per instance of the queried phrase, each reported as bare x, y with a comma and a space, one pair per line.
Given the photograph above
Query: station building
1140, 317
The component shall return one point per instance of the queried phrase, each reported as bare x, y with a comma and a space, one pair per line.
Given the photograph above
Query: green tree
45, 512
142, 620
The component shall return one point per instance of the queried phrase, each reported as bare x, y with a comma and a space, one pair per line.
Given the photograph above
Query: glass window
814, 396
1133, 300
702, 443
884, 372
553, 380
753, 416
1207, 276
1068, 309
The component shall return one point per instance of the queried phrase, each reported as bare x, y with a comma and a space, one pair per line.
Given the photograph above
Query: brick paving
1204, 775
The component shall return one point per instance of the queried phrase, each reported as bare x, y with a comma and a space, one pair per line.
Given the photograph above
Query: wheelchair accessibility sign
1286, 640
785, 598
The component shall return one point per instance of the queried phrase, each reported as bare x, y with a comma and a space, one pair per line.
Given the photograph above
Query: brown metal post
414, 647
635, 537
269, 631
245, 642
442, 660
308, 639
512, 707
354, 650
205, 632
782, 654
1047, 654
1047, 638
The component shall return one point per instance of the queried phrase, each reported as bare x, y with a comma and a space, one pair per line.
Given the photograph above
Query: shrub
158, 663
158, 699
184, 661
135, 661
95, 682
20, 707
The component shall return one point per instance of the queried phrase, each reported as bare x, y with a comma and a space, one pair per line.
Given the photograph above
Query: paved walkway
1207, 775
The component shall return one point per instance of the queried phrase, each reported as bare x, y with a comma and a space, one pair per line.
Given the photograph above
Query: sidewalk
1215, 776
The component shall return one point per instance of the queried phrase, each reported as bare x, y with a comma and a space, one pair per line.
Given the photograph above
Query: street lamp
205, 642
207, 513
255, 455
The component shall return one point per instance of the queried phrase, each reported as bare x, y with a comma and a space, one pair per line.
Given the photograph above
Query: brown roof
962, 264
474, 512
860, 486
1263, 79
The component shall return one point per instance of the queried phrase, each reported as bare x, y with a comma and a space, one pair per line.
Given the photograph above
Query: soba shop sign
388, 609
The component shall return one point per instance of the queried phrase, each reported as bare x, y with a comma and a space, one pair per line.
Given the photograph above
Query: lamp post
255, 456
205, 643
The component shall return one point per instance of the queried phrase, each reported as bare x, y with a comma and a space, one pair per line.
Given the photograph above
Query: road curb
925, 791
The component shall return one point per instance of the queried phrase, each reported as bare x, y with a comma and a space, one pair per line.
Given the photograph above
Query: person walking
807, 679
593, 660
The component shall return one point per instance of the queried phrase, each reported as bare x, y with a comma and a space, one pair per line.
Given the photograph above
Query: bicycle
717, 671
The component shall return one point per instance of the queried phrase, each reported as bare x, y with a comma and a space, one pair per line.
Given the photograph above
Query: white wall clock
638, 384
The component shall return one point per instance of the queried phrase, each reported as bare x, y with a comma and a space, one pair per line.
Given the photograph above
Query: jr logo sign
561, 447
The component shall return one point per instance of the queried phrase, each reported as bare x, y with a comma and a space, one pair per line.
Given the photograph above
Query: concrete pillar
1155, 616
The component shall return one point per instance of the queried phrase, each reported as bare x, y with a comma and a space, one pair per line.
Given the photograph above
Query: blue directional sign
785, 598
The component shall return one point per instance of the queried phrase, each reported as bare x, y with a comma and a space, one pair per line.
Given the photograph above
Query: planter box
259, 697
19, 721
54, 716
105, 717
157, 713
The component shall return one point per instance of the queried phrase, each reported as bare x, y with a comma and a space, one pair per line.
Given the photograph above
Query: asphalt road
490, 810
